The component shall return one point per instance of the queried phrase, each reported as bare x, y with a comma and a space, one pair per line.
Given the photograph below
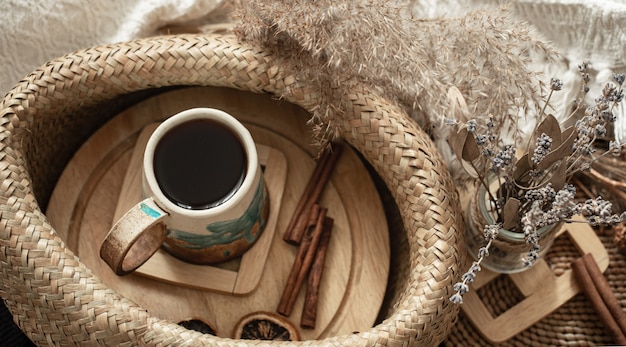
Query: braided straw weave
57, 301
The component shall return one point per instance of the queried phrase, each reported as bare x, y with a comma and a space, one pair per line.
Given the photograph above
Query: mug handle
134, 238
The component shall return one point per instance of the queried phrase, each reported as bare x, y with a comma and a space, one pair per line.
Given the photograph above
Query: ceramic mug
205, 199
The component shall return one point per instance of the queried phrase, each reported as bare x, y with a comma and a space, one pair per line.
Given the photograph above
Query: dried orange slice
266, 326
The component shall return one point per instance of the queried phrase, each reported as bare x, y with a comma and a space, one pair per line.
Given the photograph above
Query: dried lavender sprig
561, 207
490, 233
597, 212
556, 84
544, 142
530, 221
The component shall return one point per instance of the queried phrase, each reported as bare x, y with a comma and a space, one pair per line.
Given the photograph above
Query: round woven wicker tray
56, 299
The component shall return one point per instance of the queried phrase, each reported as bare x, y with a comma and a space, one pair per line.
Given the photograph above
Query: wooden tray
83, 205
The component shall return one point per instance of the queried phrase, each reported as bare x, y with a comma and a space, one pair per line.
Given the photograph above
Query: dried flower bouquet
484, 56
532, 176
476, 65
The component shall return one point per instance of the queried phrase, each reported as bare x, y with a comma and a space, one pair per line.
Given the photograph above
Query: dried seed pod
266, 326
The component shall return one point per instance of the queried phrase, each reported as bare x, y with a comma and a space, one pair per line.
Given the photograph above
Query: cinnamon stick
302, 264
607, 294
309, 312
312, 195
308, 191
588, 285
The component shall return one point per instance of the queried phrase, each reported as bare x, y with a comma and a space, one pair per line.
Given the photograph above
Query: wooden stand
544, 292
82, 209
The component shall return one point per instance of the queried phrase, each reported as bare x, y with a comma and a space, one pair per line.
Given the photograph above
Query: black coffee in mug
199, 164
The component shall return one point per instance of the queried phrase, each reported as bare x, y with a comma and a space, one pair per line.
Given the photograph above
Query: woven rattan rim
56, 300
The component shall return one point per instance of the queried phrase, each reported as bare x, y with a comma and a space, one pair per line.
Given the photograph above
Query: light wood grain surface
82, 209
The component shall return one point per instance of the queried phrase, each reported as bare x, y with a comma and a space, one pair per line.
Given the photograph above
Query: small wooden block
526, 281
164, 267
544, 291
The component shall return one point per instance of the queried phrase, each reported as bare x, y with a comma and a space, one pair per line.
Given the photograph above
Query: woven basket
56, 300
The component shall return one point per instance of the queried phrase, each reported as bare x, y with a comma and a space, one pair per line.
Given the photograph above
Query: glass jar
508, 250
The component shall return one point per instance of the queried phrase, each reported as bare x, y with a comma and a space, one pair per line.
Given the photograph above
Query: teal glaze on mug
227, 238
